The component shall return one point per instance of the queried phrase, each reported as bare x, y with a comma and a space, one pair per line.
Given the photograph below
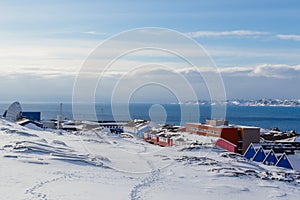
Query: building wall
140, 131
249, 135
163, 141
34, 116
154, 138
49, 124
203, 130
216, 122
130, 129
178, 142
230, 134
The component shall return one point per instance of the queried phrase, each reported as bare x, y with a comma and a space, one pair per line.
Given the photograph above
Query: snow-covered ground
93, 165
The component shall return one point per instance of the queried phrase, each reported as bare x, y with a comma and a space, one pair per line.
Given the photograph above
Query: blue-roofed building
250, 152
260, 155
284, 162
270, 159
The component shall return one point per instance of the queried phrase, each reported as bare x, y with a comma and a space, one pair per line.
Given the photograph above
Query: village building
234, 138
138, 127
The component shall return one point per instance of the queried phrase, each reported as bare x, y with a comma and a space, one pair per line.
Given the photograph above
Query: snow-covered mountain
260, 102
265, 102
96, 165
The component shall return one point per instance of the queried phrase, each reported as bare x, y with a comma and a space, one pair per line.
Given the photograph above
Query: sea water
285, 118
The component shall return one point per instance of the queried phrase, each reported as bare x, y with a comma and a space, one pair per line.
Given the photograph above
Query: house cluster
166, 135
163, 135
244, 140
233, 138
268, 157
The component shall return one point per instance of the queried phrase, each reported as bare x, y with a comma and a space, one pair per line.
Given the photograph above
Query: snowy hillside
93, 165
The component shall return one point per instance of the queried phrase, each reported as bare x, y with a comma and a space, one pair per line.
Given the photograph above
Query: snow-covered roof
246, 127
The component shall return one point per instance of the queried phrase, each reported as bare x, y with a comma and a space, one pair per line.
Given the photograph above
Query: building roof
225, 126
136, 123
195, 123
168, 134
207, 125
248, 127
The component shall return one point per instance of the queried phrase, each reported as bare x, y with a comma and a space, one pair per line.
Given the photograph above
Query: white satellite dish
14, 111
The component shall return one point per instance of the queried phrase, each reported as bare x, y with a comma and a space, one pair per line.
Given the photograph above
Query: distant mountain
242, 102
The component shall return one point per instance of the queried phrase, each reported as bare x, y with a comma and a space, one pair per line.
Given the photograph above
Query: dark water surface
285, 118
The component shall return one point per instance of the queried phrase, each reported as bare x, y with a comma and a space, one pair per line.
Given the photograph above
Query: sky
254, 46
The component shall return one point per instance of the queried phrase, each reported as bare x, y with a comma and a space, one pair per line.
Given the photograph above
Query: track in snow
146, 182
41, 196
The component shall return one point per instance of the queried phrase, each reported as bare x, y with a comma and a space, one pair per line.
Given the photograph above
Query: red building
167, 139
224, 144
151, 136
238, 137
164, 140
224, 131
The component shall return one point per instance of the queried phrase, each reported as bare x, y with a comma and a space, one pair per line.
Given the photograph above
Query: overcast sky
255, 46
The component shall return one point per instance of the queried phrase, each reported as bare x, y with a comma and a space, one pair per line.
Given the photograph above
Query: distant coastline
242, 102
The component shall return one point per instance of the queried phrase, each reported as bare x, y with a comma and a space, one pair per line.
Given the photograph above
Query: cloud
238, 80
277, 71
289, 37
93, 33
225, 33
193, 71
236, 71
43, 57
249, 81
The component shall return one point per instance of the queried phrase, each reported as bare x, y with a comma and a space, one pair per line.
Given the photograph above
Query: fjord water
285, 118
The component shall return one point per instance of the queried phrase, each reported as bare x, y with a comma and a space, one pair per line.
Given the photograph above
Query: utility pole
60, 116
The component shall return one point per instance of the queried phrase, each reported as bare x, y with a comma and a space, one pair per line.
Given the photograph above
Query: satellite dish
14, 111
